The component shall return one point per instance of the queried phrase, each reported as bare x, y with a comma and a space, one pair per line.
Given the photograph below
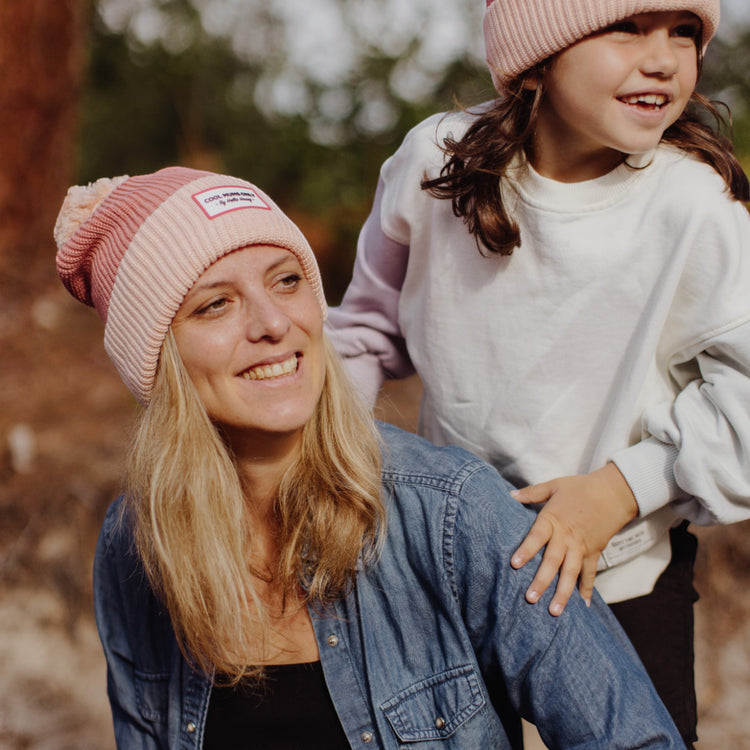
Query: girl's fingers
569, 572
552, 561
534, 493
588, 574
539, 534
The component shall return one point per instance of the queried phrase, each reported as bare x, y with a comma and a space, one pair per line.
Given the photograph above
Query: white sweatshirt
619, 330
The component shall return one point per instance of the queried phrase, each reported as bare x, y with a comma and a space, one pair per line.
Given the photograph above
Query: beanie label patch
220, 200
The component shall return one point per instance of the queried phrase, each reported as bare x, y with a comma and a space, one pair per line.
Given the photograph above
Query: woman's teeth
276, 370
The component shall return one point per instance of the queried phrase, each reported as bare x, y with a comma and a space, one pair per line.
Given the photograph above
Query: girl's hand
581, 514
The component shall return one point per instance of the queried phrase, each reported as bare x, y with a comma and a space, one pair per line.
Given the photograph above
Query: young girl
567, 269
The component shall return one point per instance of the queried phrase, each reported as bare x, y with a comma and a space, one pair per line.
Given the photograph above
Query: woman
267, 579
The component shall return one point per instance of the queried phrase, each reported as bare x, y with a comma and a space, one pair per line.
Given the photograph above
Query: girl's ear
531, 81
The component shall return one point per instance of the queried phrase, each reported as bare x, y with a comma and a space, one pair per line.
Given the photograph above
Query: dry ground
64, 419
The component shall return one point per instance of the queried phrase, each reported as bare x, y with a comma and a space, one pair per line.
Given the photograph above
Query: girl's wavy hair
472, 176
194, 535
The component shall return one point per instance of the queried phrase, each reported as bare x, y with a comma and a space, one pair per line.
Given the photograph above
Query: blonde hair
192, 527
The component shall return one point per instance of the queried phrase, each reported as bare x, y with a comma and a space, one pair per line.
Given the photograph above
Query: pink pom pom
80, 203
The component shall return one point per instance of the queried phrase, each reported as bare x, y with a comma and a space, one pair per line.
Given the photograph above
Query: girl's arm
696, 458
701, 440
364, 329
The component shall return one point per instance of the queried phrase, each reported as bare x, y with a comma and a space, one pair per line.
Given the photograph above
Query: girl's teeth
275, 370
654, 99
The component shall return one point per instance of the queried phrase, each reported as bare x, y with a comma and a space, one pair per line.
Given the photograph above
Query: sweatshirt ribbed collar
575, 197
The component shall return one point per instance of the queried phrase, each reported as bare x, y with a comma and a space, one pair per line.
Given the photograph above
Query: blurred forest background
306, 99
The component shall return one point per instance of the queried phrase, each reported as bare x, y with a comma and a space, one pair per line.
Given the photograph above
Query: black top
290, 710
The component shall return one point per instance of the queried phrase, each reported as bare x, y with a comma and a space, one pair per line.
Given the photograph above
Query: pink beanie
132, 247
518, 34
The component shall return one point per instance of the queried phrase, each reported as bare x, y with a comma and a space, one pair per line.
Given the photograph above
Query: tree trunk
41, 64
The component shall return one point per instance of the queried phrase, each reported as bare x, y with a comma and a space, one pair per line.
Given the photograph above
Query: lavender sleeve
364, 328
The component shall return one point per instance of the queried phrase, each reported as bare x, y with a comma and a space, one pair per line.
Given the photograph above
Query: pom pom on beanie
80, 202
518, 34
132, 247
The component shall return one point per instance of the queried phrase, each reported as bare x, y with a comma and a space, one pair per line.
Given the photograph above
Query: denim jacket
408, 654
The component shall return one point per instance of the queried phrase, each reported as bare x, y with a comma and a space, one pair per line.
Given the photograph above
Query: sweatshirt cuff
648, 468
366, 375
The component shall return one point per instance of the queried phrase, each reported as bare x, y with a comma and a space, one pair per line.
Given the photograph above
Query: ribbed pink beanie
518, 34
132, 247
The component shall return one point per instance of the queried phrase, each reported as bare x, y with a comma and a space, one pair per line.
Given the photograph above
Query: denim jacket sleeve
576, 677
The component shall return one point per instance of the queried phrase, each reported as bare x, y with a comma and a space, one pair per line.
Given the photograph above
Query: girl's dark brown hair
476, 164
471, 177
705, 141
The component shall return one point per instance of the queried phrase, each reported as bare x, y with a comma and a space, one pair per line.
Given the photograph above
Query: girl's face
250, 333
615, 92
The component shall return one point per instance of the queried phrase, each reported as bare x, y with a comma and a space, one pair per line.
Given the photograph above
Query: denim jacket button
191, 727
366, 737
439, 722
333, 640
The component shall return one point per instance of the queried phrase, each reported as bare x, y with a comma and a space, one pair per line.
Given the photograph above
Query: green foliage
144, 106
726, 77
150, 104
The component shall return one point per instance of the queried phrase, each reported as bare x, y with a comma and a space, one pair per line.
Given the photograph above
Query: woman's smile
272, 370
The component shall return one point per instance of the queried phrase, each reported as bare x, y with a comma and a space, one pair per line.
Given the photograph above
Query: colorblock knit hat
518, 34
132, 247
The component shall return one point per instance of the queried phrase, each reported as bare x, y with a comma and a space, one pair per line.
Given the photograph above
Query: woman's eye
290, 280
214, 306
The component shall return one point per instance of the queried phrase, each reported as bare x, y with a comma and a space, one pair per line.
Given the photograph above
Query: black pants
661, 627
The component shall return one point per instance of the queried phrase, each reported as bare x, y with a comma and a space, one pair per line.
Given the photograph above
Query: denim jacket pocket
152, 695
435, 707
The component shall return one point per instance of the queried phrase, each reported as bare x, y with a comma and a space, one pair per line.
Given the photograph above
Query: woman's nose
659, 58
266, 320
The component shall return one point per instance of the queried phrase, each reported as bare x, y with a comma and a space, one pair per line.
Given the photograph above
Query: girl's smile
614, 93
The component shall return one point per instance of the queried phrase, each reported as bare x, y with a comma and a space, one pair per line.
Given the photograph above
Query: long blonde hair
193, 530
